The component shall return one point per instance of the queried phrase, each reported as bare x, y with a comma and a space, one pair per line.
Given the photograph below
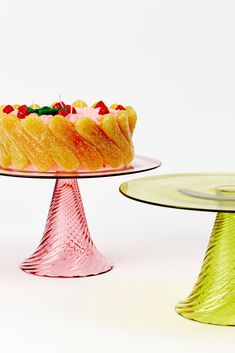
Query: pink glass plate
139, 164
66, 248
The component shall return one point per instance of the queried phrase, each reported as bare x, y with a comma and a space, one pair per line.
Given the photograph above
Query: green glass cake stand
212, 299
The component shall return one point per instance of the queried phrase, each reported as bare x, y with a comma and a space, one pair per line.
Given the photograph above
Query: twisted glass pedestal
66, 248
212, 299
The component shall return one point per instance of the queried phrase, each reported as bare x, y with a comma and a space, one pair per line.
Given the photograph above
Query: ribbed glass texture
66, 249
212, 300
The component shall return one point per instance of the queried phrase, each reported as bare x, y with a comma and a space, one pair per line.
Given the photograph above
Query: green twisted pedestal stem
212, 300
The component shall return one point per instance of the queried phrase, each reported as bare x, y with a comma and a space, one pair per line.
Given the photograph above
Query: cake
66, 137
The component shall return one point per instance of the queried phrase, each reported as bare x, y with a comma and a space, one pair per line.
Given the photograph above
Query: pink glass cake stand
66, 248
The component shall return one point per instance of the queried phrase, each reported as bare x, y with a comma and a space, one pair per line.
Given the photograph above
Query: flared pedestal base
66, 249
212, 300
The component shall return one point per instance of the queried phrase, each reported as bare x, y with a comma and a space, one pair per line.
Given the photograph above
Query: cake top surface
71, 111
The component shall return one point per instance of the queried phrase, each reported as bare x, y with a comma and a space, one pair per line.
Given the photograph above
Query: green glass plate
212, 299
205, 192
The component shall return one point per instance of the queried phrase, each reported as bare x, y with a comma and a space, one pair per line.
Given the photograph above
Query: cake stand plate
212, 299
66, 248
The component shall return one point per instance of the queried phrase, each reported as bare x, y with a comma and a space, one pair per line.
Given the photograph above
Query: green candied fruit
44, 110
31, 110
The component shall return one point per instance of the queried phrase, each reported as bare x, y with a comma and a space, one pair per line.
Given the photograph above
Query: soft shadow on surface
146, 307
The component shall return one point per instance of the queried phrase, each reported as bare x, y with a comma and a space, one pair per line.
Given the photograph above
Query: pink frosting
113, 111
46, 118
92, 113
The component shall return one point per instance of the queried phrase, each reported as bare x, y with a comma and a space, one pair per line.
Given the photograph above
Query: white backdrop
174, 62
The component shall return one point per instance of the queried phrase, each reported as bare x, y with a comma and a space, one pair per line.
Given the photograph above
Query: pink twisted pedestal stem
66, 249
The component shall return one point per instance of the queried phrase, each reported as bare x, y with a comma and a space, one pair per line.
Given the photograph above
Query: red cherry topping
59, 105
23, 107
8, 109
100, 104
23, 111
120, 107
71, 110
103, 110
63, 112
21, 115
